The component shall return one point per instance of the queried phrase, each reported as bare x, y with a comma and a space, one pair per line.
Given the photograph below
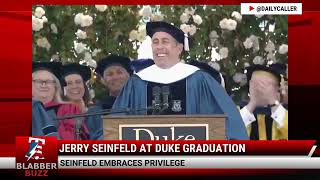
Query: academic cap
104, 63
140, 64
276, 70
53, 67
75, 68
207, 68
161, 26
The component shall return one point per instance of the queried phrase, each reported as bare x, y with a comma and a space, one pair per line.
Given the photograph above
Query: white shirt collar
167, 76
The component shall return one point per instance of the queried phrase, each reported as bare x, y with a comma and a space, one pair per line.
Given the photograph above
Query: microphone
78, 128
165, 97
156, 103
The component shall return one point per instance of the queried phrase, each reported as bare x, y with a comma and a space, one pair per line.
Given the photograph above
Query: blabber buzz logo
35, 148
36, 156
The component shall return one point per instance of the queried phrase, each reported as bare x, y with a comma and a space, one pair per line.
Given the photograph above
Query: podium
164, 127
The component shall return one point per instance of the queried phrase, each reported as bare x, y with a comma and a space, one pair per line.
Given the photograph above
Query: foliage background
121, 30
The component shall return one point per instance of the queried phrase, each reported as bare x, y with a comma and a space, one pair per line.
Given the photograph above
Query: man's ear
180, 46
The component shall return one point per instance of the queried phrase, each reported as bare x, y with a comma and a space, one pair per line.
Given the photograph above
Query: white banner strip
215, 162
312, 150
7, 162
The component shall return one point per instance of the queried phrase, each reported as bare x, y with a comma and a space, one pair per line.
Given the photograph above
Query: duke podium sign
165, 127
163, 132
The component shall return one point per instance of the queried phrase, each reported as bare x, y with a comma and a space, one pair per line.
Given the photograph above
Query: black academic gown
95, 123
265, 128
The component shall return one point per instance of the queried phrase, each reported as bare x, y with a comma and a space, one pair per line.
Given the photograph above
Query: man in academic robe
265, 118
113, 71
191, 91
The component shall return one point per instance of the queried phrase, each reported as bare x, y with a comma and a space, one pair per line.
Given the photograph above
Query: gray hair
58, 91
